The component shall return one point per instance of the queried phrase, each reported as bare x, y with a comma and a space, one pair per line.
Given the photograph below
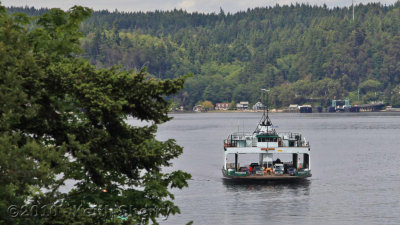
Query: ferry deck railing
247, 140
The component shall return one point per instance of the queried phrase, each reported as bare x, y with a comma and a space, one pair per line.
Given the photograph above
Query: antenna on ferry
265, 117
265, 121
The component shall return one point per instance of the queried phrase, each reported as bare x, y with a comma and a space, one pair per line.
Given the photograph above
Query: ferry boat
281, 156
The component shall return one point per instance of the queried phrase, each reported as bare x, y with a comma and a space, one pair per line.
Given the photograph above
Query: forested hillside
303, 53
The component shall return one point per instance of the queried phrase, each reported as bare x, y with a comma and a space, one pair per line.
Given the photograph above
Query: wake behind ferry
281, 156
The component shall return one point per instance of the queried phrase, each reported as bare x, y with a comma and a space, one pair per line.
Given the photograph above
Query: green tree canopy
61, 119
370, 85
207, 105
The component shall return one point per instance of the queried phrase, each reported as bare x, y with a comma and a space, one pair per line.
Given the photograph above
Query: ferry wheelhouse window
267, 139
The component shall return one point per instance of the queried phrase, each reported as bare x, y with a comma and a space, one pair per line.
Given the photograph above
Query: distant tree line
303, 53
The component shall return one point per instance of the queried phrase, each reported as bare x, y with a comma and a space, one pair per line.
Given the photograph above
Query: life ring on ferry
268, 171
226, 144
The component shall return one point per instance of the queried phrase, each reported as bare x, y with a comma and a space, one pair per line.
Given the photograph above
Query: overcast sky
189, 5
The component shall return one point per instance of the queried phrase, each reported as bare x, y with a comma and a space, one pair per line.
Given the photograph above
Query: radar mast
265, 124
265, 117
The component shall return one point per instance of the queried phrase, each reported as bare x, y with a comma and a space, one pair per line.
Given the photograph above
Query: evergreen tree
61, 120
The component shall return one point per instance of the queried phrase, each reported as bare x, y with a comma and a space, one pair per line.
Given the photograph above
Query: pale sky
205, 6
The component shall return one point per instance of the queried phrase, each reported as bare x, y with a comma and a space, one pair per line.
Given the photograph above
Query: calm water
355, 161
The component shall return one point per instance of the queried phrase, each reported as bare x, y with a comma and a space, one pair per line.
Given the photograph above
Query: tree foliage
207, 105
64, 121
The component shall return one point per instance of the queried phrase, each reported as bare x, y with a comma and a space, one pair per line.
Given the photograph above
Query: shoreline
278, 111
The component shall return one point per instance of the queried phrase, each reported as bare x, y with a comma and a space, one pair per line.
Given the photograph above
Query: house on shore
293, 108
305, 109
242, 105
258, 106
222, 106
197, 108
